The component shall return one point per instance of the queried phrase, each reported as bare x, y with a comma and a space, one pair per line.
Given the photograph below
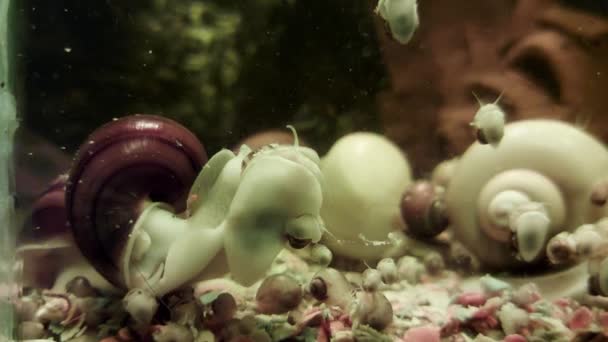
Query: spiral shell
548, 163
119, 168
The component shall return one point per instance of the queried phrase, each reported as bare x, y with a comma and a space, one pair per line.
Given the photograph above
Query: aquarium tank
319, 170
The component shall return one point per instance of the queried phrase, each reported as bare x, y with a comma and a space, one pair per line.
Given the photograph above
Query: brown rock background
548, 60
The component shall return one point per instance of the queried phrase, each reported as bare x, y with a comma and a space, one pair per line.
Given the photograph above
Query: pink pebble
514, 338
563, 302
427, 333
603, 320
322, 336
581, 318
472, 299
482, 313
335, 326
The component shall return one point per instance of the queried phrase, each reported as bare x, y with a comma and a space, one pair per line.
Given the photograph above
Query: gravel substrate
400, 301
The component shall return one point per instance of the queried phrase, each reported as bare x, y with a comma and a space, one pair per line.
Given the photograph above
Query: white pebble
512, 318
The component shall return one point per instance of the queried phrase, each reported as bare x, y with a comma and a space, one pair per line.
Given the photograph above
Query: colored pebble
581, 318
427, 333
471, 299
514, 338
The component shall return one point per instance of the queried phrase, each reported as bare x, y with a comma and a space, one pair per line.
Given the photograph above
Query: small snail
401, 17
369, 307
423, 210
278, 294
505, 202
145, 218
489, 122
589, 242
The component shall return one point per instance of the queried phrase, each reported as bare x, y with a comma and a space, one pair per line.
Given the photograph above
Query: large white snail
505, 202
365, 175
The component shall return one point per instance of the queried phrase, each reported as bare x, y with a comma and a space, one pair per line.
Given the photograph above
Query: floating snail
145, 218
401, 17
505, 202
365, 175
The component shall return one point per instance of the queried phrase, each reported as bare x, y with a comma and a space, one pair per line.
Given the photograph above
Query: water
303, 170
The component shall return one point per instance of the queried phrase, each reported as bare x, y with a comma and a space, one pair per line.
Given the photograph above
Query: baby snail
371, 280
401, 17
278, 294
587, 242
331, 287
367, 307
423, 210
388, 270
371, 307
489, 122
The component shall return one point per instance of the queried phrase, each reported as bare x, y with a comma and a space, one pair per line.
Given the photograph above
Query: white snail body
401, 17
489, 123
514, 197
249, 205
364, 178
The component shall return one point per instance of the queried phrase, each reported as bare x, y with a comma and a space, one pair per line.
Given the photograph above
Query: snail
368, 307
365, 175
504, 203
489, 122
145, 218
278, 294
423, 210
401, 17
589, 242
